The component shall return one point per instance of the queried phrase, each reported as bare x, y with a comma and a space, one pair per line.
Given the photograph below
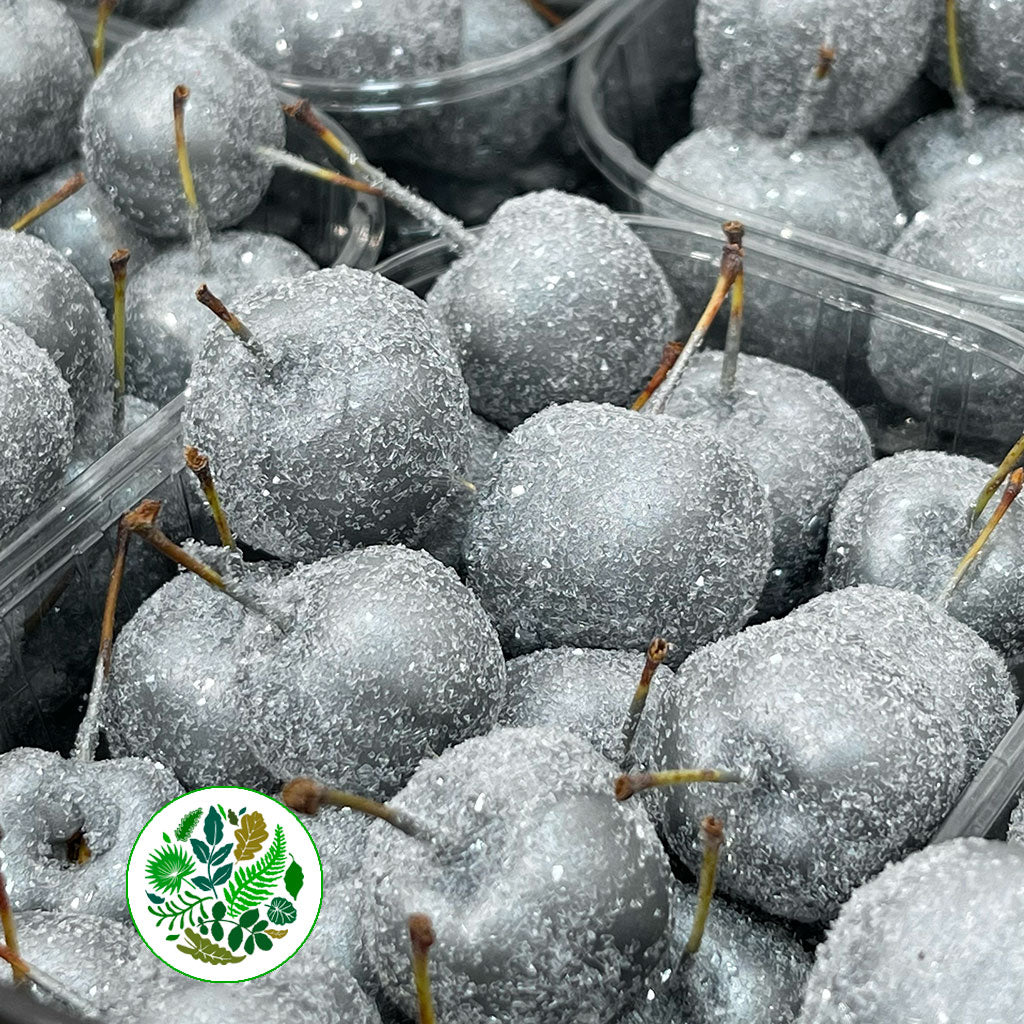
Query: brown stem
421, 938
629, 785
10, 929
800, 126
99, 39
306, 796
69, 188
733, 335
656, 652
119, 272
199, 464
89, 730
669, 356
282, 158
237, 328
712, 837
995, 481
199, 228
550, 16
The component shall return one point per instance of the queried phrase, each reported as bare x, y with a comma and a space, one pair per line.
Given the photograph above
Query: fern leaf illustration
253, 884
187, 825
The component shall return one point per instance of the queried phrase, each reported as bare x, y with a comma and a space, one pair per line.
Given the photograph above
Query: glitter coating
358, 434
128, 131
559, 301
150, 12
938, 933
762, 54
857, 720
44, 73
165, 324
804, 443
1016, 833
605, 528
903, 523
37, 425
532, 834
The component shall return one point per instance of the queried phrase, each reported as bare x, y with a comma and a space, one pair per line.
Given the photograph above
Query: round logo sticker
224, 884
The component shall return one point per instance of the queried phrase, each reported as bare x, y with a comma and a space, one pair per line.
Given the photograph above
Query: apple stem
49, 984
734, 332
104, 10
550, 16
69, 188
141, 520
282, 158
711, 837
119, 271
995, 481
656, 651
199, 464
629, 785
421, 938
199, 227
306, 796
10, 929
89, 731
799, 130
453, 230
1013, 488
655, 396
669, 355
958, 81
238, 329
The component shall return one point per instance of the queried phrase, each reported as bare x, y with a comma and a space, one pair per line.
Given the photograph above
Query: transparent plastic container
630, 101
849, 302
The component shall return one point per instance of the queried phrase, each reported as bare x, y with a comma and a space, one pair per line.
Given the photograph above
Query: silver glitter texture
164, 322
45, 800
44, 295
37, 425
445, 539
605, 528
936, 156
559, 301
585, 692
903, 523
44, 73
936, 938
357, 434
973, 234
150, 12
128, 131
856, 721
1016, 833
747, 970
389, 659
804, 443
85, 229
761, 55
549, 899
352, 40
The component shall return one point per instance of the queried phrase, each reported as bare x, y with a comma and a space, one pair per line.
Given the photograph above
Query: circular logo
224, 884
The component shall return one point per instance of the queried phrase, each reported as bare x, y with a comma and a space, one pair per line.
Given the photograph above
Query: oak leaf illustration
251, 835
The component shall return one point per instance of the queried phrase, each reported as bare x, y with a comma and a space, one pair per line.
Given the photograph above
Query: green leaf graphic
213, 827
263, 941
250, 945
232, 817
222, 874
221, 855
293, 879
168, 867
281, 911
235, 937
253, 884
187, 825
218, 910
186, 906
249, 918
201, 850
217, 931
207, 950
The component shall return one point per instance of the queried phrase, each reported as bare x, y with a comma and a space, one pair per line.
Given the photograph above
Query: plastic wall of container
850, 303
630, 101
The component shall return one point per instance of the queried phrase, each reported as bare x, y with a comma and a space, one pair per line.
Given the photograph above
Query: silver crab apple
550, 901
165, 325
558, 301
37, 426
69, 827
935, 936
387, 659
605, 527
44, 73
748, 970
804, 443
585, 692
856, 721
84, 228
905, 522
349, 427
761, 54
128, 131
44, 295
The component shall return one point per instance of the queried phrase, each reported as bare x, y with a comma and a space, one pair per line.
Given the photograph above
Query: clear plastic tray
630, 101
848, 302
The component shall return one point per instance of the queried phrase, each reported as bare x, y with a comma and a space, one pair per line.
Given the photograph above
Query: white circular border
298, 845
